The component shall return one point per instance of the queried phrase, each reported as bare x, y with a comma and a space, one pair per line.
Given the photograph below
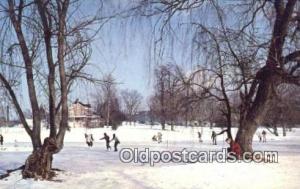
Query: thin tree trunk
17, 24
62, 11
283, 130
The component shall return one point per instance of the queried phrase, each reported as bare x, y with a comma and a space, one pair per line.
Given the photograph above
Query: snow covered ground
95, 167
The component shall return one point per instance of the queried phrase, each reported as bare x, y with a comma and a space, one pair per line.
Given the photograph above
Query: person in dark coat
106, 138
1, 140
259, 137
264, 137
154, 138
89, 139
117, 142
214, 137
200, 137
234, 149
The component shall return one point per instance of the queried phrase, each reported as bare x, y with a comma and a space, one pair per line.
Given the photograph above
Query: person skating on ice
106, 138
117, 142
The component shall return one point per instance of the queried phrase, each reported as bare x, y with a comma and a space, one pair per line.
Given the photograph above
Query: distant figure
89, 139
1, 139
117, 142
16, 144
264, 138
259, 137
86, 138
159, 137
234, 149
214, 137
154, 139
106, 138
200, 137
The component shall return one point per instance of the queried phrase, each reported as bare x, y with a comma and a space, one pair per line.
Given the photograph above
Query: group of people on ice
107, 141
90, 139
234, 148
261, 136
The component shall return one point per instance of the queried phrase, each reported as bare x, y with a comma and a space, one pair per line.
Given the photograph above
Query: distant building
81, 115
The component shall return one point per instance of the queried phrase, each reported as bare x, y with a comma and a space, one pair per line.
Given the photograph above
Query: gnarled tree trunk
268, 80
39, 164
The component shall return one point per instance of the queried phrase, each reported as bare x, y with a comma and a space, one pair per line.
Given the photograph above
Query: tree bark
259, 108
39, 164
47, 27
62, 13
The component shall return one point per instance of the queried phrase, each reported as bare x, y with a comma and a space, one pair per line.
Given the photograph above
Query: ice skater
264, 137
117, 142
214, 137
1, 139
159, 137
259, 137
200, 137
89, 139
106, 138
154, 139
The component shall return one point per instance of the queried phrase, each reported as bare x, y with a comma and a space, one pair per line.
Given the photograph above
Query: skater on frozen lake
1, 139
159, 137
264, 138
259, 136
106, 138
234, 149
117, 142
214, 137
200, 137
89, 139
154, 139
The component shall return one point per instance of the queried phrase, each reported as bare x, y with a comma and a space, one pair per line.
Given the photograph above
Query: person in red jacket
234, 149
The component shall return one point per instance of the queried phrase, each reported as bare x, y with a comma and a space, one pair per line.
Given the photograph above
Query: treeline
182, 98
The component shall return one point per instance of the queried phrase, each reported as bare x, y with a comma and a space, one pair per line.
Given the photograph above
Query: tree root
7, 174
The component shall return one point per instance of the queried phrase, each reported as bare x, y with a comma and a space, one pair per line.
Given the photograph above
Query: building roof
81, 103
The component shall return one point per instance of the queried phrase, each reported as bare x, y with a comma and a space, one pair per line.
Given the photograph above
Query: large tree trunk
39, 164
257, 112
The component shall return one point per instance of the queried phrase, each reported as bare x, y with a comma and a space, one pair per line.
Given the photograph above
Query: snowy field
95, 167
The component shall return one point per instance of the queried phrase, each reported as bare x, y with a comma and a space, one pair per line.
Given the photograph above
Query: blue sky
122, 48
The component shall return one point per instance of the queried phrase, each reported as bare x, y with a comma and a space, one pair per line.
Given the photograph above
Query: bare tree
168, 101
284, 111
45, 29
108, 101
108, 90
268, 62
132, 100
159, 100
